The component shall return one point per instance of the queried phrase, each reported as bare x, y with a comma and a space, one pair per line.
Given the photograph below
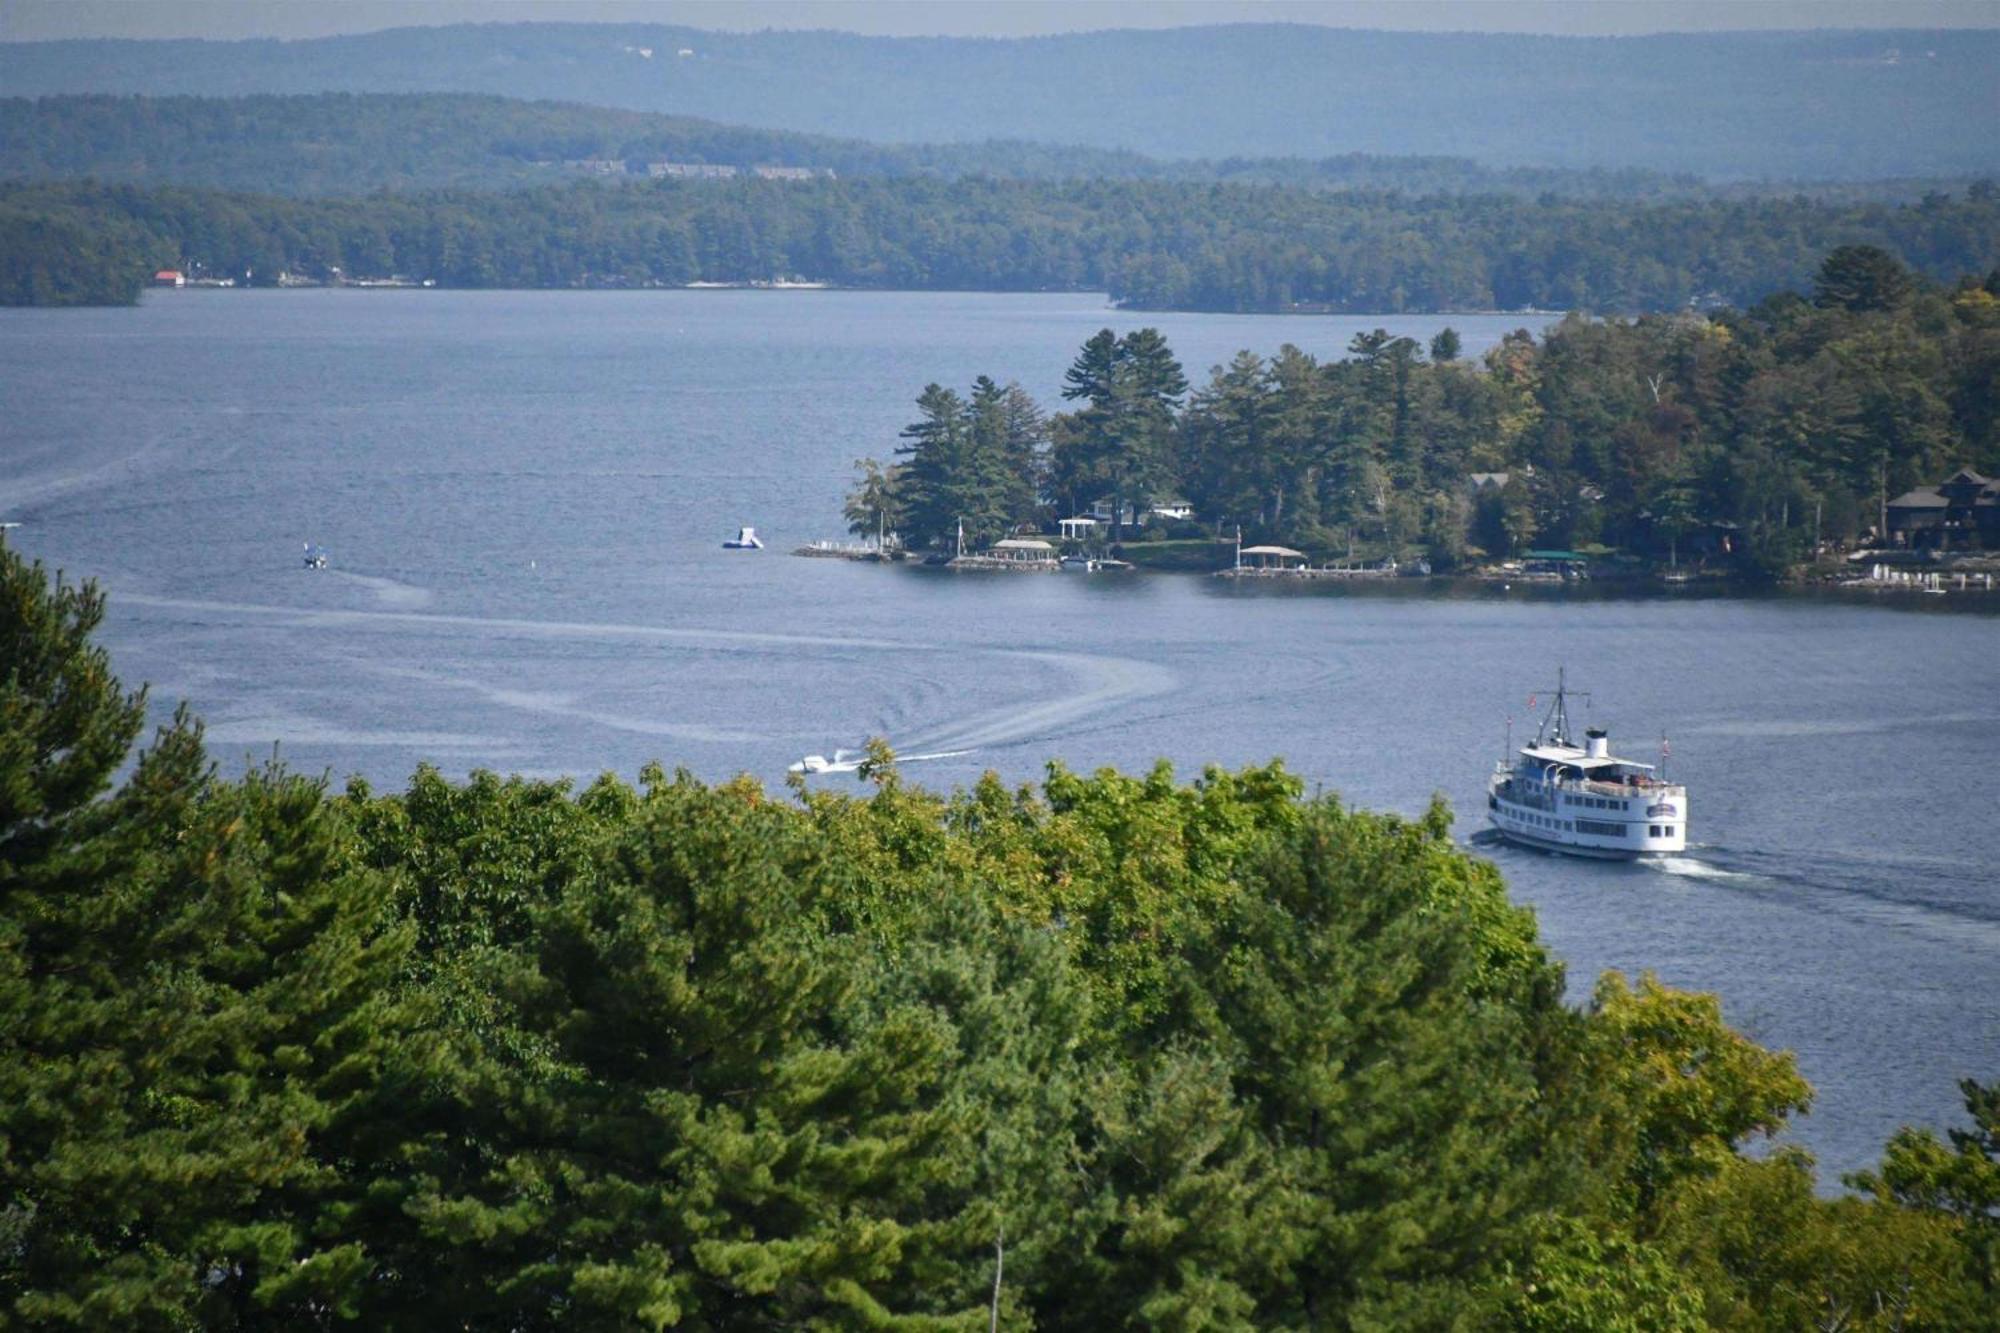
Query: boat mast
1558, 714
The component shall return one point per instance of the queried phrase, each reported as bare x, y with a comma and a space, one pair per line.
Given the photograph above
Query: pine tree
936, 453
196, 1002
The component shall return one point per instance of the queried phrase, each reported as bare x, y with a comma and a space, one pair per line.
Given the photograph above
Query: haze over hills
1837, 105
333, 143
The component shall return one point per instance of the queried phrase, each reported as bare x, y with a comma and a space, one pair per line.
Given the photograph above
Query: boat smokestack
1596, 743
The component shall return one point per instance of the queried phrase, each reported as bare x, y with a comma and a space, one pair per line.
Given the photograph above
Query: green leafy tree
1957, 1177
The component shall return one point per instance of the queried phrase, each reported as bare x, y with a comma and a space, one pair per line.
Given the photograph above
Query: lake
523, 496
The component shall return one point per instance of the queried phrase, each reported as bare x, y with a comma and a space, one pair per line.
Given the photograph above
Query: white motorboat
746, 540
843, 761
1582, 799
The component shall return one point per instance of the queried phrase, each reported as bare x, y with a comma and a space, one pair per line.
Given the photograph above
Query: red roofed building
169, 277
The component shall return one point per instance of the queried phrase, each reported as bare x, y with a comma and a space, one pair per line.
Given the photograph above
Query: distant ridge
333, 143
1834, 105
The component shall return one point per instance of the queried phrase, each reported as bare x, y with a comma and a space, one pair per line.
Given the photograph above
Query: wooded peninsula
1754, 437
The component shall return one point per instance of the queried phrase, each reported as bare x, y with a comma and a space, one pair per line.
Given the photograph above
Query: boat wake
1902, 896
1102, 683
390, 593
1096, 683
1690, 867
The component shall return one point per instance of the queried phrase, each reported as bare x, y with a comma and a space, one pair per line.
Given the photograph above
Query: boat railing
1636, 787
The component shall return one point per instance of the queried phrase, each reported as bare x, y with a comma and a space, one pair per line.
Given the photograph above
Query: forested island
1753, 437
510, 1054
1150, 244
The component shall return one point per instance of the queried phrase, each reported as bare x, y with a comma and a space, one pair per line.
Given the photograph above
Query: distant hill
335, 143
1834, 105
356, 143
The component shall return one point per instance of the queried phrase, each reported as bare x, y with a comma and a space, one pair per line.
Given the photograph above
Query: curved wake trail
322, 617
1103, 682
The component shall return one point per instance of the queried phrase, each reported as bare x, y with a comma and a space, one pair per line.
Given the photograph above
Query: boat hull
1529, 840
1592, 823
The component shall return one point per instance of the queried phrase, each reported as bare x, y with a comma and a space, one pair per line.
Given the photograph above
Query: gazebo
1271, 557
1024, 551
1080, 528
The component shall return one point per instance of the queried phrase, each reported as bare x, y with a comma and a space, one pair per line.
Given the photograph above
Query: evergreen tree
933, 477
197, 1010
874, 506
1861, 277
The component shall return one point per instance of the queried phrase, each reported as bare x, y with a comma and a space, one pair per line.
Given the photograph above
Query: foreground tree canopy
1121, 1051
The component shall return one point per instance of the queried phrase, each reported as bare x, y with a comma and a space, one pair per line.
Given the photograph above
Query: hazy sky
30, 20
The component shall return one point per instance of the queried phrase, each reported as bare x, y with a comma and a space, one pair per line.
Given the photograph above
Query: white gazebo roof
1284, 552
1022, 544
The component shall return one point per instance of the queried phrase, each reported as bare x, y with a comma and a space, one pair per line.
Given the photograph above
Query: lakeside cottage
1960, 513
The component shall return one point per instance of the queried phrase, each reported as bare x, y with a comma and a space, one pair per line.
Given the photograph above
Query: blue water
523, 497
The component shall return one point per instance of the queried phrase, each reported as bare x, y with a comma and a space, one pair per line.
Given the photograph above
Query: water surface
523, 497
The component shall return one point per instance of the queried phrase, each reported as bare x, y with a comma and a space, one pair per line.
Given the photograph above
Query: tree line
1763, 434
1113, 1051
1151, 244
357, 143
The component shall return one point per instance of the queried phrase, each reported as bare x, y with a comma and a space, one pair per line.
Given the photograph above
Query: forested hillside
345, 143
1825, 104
1150, 244
1116, 1050
1742, 436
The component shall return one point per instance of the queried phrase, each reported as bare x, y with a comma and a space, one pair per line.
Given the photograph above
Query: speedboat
746, 540
843, 761
1582, 799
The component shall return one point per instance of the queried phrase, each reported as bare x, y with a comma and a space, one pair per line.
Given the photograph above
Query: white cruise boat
1582, 799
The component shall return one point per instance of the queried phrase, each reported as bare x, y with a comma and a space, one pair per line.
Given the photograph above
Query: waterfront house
169, 277
1916, 516
1962, 512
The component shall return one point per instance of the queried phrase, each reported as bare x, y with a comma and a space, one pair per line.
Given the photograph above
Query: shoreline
1637, 587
